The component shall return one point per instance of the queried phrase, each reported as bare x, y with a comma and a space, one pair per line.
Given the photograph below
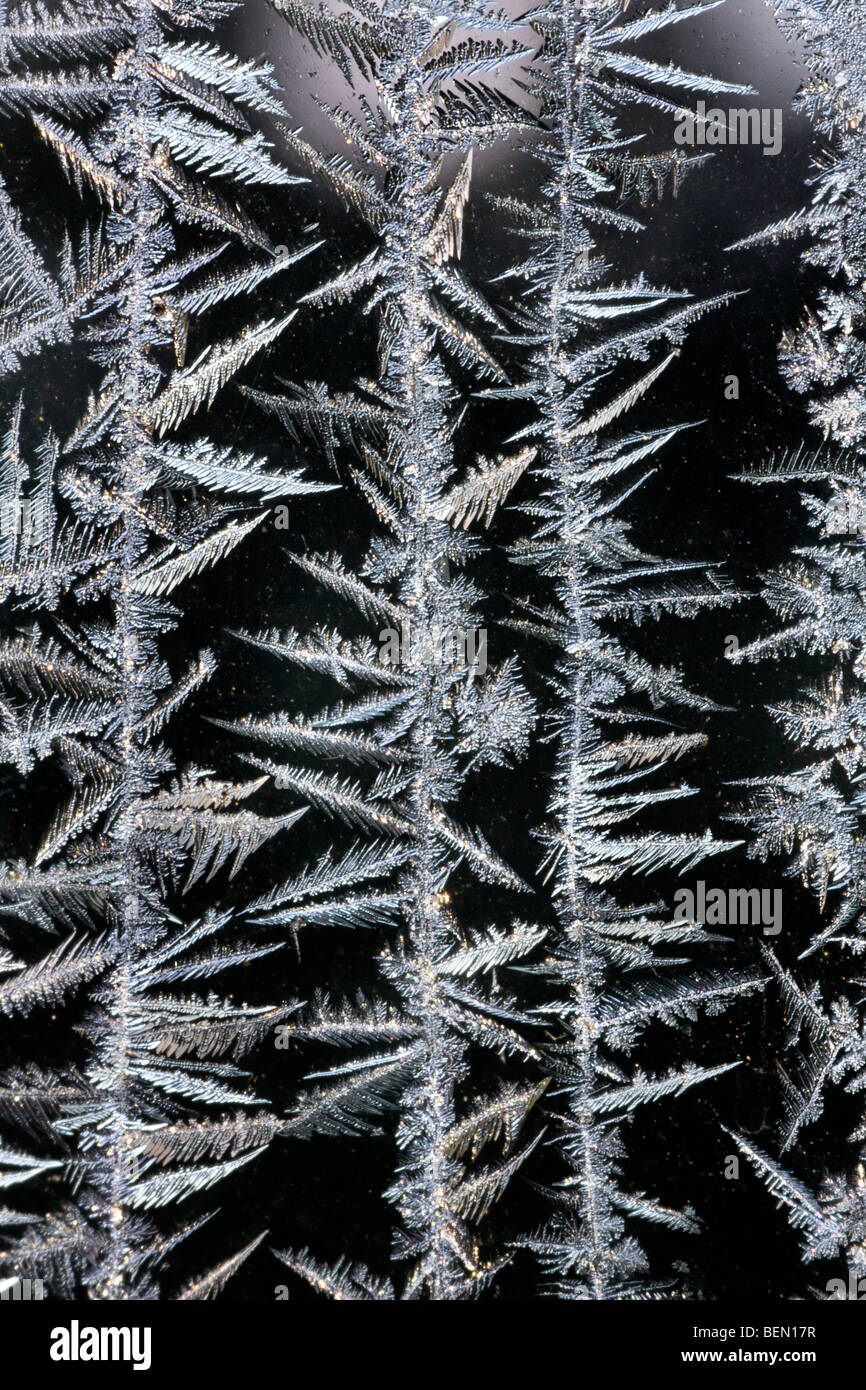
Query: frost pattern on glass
610, 970
140, 110
812, 817
423, 711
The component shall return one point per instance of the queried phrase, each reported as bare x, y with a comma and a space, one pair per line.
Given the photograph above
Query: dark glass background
326, 1193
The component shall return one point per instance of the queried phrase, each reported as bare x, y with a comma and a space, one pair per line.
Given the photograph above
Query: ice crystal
416, 724
611, 740
106, 527
811, 817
